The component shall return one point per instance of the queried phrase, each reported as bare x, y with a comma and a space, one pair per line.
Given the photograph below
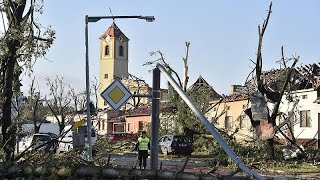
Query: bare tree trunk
96, 86
185, 72
260, 83
8, 129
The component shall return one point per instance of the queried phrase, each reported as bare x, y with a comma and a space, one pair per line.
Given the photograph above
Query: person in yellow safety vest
143, 145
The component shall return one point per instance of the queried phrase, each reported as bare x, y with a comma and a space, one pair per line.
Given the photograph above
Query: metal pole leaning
208, 125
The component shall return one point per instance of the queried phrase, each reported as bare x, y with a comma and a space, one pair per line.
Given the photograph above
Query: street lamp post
96, 19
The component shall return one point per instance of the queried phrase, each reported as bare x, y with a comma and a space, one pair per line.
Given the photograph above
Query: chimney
233, 88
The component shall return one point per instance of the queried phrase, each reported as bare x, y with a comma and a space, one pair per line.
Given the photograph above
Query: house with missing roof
304, 122
300, 108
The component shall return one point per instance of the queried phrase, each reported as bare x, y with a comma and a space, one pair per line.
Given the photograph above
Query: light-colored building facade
230, 116
304, 122
134, 124
306, 119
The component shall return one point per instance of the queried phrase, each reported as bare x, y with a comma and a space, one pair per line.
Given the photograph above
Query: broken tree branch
185, 63
259, 54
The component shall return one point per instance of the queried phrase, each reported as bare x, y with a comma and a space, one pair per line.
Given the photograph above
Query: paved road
129, 160
195, 165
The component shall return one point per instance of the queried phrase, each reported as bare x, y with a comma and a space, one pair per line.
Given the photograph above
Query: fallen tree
92, 171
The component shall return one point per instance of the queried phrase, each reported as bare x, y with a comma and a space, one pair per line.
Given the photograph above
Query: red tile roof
114, 31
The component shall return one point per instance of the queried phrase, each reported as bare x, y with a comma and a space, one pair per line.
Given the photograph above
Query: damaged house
299, 119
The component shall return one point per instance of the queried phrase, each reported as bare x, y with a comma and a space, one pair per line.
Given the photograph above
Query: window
228, 107
241, 119
105, 103
227, 122
105, 76
121, 51
244, 122
305, 119
107, 50
140, 125
130, 127
214, 109
304, 96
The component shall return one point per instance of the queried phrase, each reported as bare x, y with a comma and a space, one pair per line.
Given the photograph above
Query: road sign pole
155, 118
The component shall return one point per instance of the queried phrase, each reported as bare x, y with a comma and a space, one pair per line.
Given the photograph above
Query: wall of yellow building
234, 109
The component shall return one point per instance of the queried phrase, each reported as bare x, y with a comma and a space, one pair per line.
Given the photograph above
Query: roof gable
114, 31
201, 82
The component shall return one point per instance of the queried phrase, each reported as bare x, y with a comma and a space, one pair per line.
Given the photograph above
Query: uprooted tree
23, 41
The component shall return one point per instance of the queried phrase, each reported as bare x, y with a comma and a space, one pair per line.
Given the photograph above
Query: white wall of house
306, 99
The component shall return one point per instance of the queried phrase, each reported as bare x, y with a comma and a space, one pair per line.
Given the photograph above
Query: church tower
113, 59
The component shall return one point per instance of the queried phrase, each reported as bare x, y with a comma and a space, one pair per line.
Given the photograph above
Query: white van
65, 143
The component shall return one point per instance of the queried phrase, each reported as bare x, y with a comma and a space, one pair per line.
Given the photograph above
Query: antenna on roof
111, 13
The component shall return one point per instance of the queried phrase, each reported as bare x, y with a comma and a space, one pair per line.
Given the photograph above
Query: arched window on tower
121, 51
107, 50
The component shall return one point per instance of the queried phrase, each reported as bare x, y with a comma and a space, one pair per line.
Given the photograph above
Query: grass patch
296, 168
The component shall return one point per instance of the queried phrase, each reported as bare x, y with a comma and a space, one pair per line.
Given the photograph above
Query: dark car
175, 144
122, 136
45, 141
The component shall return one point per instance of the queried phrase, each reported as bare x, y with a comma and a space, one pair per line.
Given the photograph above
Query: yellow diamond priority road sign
116, 94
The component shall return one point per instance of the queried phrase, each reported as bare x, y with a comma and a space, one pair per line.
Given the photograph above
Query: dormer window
107, 50
121, 51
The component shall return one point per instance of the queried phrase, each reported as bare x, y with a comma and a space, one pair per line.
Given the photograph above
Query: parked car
122, 136
175, 144
47, 141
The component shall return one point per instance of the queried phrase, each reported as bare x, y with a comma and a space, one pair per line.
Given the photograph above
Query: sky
223, 37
